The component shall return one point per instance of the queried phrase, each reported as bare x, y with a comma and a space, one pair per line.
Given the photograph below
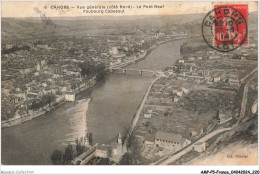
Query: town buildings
54, 66
170, 141
165, 140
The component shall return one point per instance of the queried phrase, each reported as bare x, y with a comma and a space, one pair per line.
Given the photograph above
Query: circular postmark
224, 28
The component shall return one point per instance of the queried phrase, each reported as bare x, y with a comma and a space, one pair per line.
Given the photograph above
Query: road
243, 79
244, 100
137, 116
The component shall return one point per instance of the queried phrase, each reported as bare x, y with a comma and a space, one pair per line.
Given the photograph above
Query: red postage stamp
231, 24
227, 25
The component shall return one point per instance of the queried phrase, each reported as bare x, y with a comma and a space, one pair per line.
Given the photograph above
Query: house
181, 61
178, 92
150, 111
35, 93
216, 79
148, 115
42, 46
170, 72
65, 88
149, 141
31, 96
43, 62
70, 96
199, 147
160, 153
193, 133
210, 52
176, 99
224, 118
191, 58
232, 79
8, 46
184, 90
204, 72
25, 71
214, 57
15, 99
102, 151
170, 141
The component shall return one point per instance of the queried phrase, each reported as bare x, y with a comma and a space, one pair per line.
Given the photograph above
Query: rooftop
169, 137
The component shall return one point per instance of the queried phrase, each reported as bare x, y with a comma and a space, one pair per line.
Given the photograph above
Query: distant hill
22, 28
28, 28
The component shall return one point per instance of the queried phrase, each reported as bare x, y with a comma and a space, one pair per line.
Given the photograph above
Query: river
114, 102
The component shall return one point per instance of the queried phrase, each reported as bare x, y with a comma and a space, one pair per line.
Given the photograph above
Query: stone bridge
85, 157
141, 72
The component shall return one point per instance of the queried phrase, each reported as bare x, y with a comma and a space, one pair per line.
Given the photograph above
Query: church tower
119, 139
86, 140
119, 144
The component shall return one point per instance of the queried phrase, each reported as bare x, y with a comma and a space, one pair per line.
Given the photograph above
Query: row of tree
14, 49
192, 47
60, 158
90, 69
46, 99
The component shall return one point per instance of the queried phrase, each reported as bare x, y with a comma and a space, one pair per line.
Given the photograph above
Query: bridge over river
141, 72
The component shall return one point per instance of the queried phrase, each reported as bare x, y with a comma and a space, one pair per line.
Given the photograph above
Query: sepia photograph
129, 83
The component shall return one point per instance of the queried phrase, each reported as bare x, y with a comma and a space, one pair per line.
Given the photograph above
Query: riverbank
137, 116
146, 53
21, 119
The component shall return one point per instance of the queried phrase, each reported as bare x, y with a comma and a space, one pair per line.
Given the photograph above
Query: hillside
29, 28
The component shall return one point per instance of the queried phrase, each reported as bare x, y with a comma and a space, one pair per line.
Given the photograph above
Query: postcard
129, 83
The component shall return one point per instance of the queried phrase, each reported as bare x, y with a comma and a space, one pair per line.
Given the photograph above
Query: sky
36, 8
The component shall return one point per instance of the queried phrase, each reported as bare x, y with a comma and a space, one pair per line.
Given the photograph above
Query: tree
73, 85
68, 155
101, 71
48, 99
59, 93
236, 56
217, 116
72, 51
79, 147
34, 105
56, 157
166, 113
90, 138
126, 159
87, 69
50, 62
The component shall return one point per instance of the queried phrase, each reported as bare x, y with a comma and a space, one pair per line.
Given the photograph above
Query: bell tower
119, 139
